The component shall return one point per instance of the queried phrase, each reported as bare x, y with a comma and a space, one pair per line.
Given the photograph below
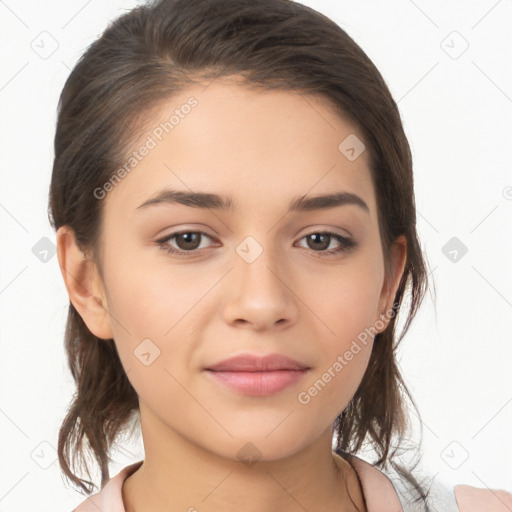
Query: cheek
153, 299
347, 307
155, 313
346, 302
334, 383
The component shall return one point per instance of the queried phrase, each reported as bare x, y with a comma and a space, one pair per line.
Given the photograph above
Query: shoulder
381, 487
378, 490
110, 497
474, 499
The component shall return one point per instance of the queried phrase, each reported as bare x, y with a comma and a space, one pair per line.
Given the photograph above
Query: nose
260, 293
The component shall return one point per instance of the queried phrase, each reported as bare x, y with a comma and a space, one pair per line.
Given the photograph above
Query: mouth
258, 376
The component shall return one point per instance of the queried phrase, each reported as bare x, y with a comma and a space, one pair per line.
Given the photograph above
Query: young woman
233, 198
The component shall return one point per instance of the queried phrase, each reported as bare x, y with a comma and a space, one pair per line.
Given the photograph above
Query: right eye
189, 241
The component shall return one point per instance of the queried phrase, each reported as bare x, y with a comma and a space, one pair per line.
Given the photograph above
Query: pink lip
250, 363
258, 376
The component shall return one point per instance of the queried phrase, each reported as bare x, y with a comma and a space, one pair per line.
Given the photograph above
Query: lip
256, 375
251, 363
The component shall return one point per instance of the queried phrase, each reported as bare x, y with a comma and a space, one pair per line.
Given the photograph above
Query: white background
457, 112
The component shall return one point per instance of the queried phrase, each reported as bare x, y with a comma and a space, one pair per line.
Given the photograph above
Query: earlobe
83, 284
392, 282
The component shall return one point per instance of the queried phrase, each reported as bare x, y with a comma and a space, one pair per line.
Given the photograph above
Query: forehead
260, 145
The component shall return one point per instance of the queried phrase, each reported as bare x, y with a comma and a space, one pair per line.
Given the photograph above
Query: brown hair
157, 50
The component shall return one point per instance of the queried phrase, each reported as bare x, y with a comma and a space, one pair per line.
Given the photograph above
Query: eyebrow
225, 203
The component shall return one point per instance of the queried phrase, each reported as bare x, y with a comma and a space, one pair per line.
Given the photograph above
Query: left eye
324, 239
189, 241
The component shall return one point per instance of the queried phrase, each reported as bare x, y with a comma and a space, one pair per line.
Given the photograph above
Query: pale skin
263, 149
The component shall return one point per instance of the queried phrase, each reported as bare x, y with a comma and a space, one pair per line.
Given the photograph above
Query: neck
178, 475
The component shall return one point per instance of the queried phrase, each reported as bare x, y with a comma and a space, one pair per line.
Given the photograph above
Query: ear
392, 281
84, 284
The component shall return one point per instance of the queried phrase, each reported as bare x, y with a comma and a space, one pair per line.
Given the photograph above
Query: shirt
379, 492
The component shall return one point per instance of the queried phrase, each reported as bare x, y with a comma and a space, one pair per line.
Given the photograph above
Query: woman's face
253, 279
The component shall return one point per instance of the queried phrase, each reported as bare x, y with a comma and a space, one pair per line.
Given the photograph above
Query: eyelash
346, 243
